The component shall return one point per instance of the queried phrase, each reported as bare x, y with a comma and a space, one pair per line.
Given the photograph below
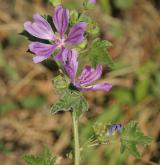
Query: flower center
60, 42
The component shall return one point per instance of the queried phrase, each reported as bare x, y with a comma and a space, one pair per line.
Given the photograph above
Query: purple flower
92, 1
40, 28
88, 75
113, 128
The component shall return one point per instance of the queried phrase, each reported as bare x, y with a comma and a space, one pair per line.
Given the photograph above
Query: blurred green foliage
6, 67
123, 96
45, 158
7, 106
5, 149
116, 30
32, 102
143, 83
105, 4
123, 4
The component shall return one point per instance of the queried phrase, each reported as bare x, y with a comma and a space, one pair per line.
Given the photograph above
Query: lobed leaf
98, 53
70, 100
131, 137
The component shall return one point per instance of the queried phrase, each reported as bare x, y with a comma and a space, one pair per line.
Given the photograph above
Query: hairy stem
76, 139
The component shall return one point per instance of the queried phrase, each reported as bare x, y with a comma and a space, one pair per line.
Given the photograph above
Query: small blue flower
113, 128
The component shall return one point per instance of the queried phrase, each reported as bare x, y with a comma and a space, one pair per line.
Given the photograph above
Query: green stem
76, 139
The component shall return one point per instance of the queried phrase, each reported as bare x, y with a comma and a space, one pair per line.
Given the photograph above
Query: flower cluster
40, 28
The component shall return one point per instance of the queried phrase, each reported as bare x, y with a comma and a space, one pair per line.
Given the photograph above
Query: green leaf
131, 148
45, 158
131, 137
70, 100
32, 160
98, 53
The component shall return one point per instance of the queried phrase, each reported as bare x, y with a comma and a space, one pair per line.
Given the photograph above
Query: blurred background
26, 90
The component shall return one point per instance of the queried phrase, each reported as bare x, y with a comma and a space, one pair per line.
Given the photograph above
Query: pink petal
61, 19
103, 87
41, 49
59, 56
38, 59
90, 75
40, 28
76, 34
70, 62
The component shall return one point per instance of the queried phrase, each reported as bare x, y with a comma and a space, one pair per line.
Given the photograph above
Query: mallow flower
88, 75
40, 28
